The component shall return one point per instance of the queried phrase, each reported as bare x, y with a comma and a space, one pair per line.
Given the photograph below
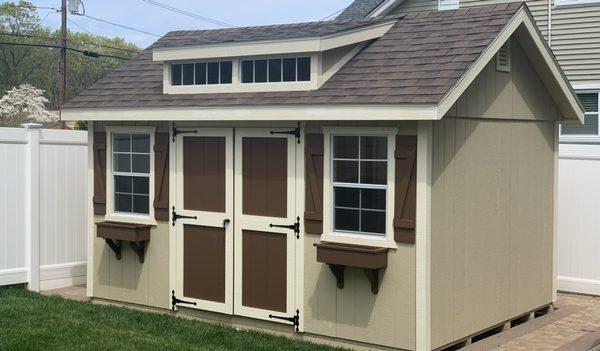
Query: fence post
32, 204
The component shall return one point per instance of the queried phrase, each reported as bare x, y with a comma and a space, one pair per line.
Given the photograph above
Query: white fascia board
521, 17
271, 47
385, 7
257, 113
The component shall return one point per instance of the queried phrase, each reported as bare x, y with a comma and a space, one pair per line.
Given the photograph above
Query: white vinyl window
575, 2
590, 129
359, 184
131, 173
448, 4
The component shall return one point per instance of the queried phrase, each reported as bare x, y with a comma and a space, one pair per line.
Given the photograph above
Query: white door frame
260, 223
208, 219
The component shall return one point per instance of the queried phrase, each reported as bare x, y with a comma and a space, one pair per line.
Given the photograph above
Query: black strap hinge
295, 319
176, 132
295, 227
295, 132
175, 216
175, 301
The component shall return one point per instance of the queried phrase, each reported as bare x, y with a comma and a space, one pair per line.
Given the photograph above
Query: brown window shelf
339, 256
114, 233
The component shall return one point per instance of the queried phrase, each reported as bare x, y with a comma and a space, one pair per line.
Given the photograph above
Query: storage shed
380, 183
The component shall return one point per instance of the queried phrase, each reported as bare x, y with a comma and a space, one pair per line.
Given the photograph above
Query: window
575, 2
359, 174
295, 69
447, 4
590, 128
202, 73
131, 173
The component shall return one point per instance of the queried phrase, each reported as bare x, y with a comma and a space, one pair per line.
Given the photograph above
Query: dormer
299, 57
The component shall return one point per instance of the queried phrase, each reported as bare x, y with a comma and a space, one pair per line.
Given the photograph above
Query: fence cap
31, 126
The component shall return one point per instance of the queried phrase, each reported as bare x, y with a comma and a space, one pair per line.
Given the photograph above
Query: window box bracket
339, 256
114, 233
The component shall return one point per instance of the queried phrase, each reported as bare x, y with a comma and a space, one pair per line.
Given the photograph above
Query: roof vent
503, 58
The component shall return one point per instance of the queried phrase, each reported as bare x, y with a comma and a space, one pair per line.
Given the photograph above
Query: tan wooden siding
492, 223
518, 94
575, 33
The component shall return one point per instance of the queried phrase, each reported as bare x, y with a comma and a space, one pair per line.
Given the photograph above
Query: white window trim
583, 138
562, 3
111, 215
236, 86
329, 234
448, 7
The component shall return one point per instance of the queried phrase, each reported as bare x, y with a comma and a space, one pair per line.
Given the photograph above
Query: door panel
204, 263
265, 194
204, 272
264, 272
264, 176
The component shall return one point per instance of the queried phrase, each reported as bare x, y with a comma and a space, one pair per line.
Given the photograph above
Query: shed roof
417, 61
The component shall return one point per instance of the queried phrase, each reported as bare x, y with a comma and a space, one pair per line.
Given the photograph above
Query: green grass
30, 321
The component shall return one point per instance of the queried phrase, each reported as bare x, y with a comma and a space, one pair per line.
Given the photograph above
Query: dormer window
277, 70
201, 73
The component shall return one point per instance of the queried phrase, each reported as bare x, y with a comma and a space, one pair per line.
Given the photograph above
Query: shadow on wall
119, 274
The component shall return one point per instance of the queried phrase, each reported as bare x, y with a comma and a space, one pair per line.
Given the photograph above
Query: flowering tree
24, 104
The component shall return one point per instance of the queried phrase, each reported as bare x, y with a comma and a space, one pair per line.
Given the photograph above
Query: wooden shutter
313, 160
161, 176
406, 189
99, 173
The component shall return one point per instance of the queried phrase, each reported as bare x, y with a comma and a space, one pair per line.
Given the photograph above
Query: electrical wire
189, 14
101, 45
120, 25
56, 39
84, 52
333, 14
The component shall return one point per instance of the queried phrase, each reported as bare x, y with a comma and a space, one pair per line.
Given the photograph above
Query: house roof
359, 9
417, 61
272, 32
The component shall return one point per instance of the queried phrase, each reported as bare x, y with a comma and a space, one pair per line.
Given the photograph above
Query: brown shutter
161, 176
406, 189
99, 173
313, 164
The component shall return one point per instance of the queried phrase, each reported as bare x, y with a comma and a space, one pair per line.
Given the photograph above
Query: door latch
295, 132
175, 301
176, 216
295, 227
176, 132
295, 319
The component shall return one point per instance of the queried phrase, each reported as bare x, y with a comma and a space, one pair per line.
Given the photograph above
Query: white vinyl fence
578, 236
43, 212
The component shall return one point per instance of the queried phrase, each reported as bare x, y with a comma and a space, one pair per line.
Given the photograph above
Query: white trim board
258, 113
578, 285
13, 276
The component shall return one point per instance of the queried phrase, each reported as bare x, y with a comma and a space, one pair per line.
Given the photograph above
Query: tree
24, 104
38, 66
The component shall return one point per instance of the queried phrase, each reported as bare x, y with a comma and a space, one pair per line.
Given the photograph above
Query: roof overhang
523, 27
363, 112
272, 47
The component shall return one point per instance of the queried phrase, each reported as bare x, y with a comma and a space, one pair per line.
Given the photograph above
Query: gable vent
503, 58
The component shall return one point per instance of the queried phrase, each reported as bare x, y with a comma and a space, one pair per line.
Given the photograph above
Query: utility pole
63, 60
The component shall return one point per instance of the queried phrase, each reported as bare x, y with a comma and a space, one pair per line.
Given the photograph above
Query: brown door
265, 203
205, 237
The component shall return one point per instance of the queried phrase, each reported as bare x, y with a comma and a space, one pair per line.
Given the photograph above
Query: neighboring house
383, 183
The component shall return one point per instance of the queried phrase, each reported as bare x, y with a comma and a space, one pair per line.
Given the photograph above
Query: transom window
359, 174
295, 69
131, 173
202, 73
590, 128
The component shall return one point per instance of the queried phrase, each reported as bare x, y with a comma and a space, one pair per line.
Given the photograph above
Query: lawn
30, 321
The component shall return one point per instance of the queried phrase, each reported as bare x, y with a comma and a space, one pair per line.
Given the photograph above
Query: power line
102, 45
56, 39
84, 52
189, 14
120, 25
333, 14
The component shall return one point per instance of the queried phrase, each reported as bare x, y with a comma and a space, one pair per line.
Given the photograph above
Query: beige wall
128, 280
492, 223
518, 94
574, 34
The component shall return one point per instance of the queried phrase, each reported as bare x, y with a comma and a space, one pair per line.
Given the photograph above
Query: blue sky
141, 15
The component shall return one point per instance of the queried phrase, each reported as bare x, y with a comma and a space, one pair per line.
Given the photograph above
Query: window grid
357, 185
205, 73
130, 174
268, 70
595, 114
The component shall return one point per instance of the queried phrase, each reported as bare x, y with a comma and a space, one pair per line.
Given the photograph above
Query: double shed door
234, 256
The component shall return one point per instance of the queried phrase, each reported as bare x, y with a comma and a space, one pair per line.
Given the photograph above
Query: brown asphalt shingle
418, 61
